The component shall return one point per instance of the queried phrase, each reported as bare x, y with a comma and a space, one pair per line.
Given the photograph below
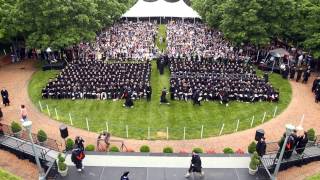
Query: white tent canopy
161, 8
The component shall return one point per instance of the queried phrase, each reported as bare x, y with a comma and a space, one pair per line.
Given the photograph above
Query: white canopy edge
161, 8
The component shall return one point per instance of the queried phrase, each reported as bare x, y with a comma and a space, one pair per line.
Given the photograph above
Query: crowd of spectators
122, 42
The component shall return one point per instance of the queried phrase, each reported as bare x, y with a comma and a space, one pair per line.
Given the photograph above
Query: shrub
114, 149
167, 150
62, 166
69, 144
15, 127
228, 150
144, 148
252, 147
60, 158
255, 161
90, 147
42, 136
311, 134
197, 150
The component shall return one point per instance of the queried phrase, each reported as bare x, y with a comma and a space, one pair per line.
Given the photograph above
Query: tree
58, 23
241, 24
109, 11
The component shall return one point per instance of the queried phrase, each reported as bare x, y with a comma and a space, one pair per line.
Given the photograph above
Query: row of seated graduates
95, 79
212, 78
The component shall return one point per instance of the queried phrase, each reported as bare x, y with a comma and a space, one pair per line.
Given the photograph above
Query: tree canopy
57, 23
259, 22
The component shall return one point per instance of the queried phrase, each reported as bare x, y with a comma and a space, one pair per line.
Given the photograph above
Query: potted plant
16, 129
252, 147
62, 166
254, 163
42, 137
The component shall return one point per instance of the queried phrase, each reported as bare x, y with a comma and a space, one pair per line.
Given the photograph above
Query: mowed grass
151, 115
314, 177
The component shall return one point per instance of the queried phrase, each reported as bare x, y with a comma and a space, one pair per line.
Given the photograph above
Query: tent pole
194, 20
160, 20
149, 19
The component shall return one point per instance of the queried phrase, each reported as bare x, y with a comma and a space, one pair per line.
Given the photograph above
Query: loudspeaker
259, 134
64, 131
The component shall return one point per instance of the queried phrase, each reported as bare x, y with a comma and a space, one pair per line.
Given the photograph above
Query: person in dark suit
5, 97
261, 147
196, 164
1, 114
299, 74
302, 142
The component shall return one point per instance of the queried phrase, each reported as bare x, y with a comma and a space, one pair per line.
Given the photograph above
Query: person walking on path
76, 157
195, 165
23, 113
5, 97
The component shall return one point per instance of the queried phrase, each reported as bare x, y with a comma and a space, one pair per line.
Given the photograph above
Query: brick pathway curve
15, 78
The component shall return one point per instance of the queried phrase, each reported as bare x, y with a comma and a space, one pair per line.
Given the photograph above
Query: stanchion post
167, 133
88, 128
148, 133
221, 129
127, 131
40, 105
201, 134
236, 130
48, 110
275, 111
252, 121
57, 116
264, 116
107, 126
184, 133
70, 118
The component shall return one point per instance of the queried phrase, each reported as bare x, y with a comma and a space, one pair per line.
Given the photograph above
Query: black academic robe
5, 97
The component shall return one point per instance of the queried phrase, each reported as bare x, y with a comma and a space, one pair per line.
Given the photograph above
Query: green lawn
4, 175
176, 116
314, 177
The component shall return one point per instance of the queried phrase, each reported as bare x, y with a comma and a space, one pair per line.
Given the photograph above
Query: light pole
28, 125
289, 130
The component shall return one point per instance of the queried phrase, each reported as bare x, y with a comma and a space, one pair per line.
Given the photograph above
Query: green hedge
42, 136
114, 149
197, 150
252, 147
90, 147
69, 144
144, 148
167, 150
228, 150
